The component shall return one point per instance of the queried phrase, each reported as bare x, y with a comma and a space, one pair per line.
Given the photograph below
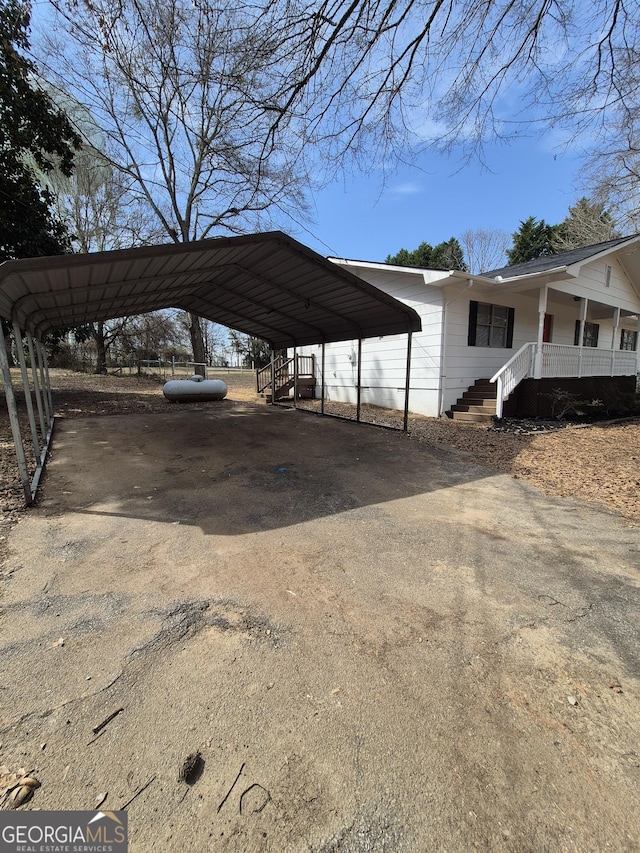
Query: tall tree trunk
197, 343
101, 348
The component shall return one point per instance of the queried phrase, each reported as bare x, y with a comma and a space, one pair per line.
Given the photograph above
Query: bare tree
99, 213
183, 94
485, 248
440, 69
612, 173
587, 223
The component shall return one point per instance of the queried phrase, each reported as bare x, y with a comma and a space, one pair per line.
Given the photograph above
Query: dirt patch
598, 463
375, 643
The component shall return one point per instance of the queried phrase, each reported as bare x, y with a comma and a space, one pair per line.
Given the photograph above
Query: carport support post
322, 383
27, 394
273, 377
295, 377
15, 423
359, 379
36, 384
407, 383
44, 381
47, 379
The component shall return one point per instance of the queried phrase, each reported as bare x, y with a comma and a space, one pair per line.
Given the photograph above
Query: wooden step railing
284, 374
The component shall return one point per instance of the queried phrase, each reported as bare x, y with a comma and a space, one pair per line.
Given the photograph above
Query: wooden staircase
286, 377
477, 404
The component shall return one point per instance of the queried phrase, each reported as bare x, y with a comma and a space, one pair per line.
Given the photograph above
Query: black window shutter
473, 322
510, 320
596, 332
576, 335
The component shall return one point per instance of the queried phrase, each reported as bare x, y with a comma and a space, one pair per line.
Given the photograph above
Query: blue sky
359, 218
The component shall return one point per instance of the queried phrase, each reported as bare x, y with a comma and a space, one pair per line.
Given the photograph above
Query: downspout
443, 345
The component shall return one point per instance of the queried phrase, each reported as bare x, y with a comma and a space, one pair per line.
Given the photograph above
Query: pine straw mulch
599, 463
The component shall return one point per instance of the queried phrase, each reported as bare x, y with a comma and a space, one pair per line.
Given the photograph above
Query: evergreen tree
534, 239
447, 255
35, 136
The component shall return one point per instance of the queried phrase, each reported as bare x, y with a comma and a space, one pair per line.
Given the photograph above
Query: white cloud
407, 188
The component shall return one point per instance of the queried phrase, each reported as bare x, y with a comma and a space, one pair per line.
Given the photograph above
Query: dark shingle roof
549, 262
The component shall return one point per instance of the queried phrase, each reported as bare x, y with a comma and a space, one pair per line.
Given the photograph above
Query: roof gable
561, 260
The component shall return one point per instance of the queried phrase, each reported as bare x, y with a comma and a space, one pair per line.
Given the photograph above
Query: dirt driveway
375, 645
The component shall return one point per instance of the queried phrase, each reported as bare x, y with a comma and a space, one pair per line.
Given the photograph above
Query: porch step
475, 409
477, 404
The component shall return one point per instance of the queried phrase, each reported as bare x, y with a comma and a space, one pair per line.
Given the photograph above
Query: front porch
604, 333
547, 361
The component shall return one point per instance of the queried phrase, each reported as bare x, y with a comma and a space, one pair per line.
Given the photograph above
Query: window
628, 340
590, 336
490, 325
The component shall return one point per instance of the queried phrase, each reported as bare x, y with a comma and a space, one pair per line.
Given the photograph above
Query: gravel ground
597, 463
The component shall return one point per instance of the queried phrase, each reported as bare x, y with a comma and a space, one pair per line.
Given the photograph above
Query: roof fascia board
443, 279
612, 250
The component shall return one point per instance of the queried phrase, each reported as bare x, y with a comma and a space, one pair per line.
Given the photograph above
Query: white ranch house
571, 316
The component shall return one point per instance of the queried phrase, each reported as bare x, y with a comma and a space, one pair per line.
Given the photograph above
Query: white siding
591, 284
384, 359
465, 364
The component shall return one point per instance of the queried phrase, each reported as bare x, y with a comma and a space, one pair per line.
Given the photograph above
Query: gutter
443, 342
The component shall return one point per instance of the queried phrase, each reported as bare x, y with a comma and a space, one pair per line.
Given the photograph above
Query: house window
628, 340
590, 336
490, 325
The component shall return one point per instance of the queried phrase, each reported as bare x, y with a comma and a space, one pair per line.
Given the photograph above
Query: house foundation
540, 398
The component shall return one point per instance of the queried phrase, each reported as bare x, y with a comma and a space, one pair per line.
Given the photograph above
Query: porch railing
512, 373
561, 361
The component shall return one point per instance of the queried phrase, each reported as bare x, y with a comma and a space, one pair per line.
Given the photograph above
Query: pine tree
534, 239
447, 255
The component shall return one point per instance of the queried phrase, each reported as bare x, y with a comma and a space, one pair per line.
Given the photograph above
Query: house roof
561, 260
267, 285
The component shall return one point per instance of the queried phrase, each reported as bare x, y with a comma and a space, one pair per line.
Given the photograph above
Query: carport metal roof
267, 285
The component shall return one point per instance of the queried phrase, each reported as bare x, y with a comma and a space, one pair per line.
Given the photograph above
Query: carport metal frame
268, 285
44, 402
407, 387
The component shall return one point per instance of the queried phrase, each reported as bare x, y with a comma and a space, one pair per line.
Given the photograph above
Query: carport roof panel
268, 285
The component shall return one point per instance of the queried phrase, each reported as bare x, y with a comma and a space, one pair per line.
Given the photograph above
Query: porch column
614, 339
584, 306
542, 310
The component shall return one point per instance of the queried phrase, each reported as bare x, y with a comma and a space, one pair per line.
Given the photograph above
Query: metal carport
268, 285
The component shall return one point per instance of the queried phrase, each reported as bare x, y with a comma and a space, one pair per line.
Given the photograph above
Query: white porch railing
561, 361
512, 373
